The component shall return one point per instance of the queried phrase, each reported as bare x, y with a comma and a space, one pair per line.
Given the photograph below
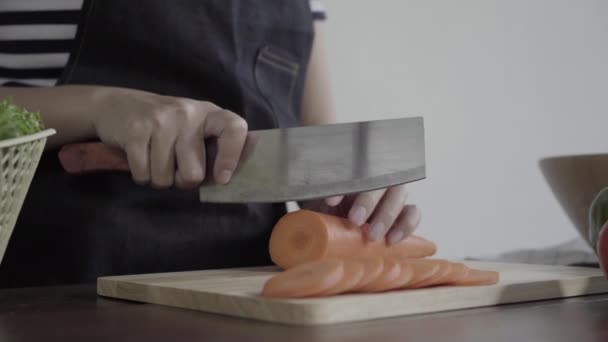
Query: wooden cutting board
235, 292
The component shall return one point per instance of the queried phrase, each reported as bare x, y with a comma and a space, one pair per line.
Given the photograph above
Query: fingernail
376, 231
333, 201
357, 215
224, 176
395, 237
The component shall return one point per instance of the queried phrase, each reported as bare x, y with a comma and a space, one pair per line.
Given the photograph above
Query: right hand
163, 137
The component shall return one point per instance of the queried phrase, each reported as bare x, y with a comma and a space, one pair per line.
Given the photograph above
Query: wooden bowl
575, 180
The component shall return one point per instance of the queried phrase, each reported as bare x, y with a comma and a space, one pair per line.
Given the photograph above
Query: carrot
303, 235
324, 255
353, 273
478, 277
423, 269
442, 274
459, 273
328, 277
372, 269
405, 277
310, 279
390, 273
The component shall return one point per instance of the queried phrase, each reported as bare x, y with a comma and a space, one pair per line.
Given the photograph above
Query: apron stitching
256, 72
278, 58
278, 66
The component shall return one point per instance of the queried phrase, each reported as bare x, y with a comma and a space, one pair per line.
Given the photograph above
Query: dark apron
248, 56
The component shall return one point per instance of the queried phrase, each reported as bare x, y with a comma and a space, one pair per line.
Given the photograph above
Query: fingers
231, 131
407, 221
190, 157
364, 205
334, 201
165, 142
162, 158
386, 212
137, 150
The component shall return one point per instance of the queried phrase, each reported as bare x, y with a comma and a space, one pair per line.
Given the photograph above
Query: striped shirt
36, 37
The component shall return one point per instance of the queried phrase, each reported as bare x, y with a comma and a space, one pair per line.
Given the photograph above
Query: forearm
318, 107
67, 109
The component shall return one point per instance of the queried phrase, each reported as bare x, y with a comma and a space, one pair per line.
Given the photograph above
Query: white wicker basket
19, 158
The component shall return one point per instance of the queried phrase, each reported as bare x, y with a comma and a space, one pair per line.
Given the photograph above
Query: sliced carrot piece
459, 273
423, 269
405, 276
303, 235
372, 269
442, 274
390, 273
306, 280
353, 273
478, 277
445, 277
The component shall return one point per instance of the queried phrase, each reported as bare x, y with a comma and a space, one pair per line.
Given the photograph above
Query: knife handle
90, 157
81, 158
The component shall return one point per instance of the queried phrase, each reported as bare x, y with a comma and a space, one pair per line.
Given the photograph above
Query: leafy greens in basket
16, 121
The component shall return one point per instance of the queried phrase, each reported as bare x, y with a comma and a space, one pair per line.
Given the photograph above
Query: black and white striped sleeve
318, 10
36, 37
35, 40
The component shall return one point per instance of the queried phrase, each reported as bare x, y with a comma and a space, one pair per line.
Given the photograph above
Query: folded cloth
574, 252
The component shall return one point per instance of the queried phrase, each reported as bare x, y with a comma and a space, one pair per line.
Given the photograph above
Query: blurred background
500, 84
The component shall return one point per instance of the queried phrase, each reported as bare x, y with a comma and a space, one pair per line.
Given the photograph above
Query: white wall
500, 84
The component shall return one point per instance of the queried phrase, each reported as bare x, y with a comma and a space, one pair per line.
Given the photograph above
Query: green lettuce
16, 121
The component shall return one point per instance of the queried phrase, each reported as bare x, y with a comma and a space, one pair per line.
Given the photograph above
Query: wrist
98, 100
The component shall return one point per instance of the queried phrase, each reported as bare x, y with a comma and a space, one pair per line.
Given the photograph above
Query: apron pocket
276, 73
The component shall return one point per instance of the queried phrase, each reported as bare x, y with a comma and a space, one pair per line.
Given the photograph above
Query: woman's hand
384, 210
164, 137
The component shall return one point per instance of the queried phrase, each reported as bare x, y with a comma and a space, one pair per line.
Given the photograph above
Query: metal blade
292, 164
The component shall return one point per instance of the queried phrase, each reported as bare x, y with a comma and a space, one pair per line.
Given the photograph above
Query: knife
293, 164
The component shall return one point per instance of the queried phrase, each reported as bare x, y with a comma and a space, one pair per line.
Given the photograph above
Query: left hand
384, 209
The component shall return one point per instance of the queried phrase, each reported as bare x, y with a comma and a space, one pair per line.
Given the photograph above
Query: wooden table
76, 313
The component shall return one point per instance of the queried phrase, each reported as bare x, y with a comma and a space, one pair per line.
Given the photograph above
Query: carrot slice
353, 273
442, 274
390, 273
372, 269
445, 277
306, 280
459, 273
478, 277
303, 235
423, 269
405, 276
